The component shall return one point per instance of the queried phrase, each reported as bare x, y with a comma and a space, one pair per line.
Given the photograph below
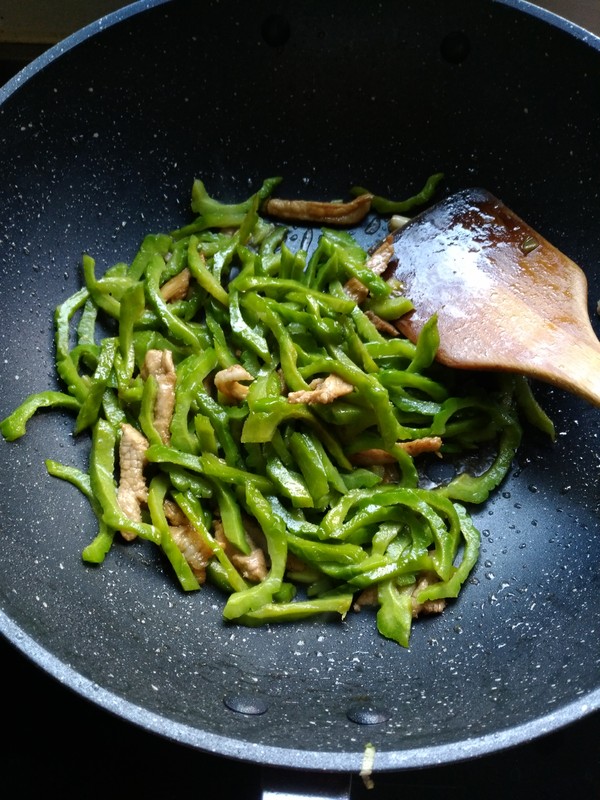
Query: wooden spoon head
505, 297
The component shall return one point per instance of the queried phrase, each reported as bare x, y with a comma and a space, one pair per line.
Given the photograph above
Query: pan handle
281, 784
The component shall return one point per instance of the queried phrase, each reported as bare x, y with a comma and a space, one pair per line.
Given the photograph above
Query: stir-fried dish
254, 412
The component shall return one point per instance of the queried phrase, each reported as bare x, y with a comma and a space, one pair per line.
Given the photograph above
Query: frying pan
101, 139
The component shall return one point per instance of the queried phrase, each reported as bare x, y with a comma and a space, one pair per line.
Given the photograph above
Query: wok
101, 138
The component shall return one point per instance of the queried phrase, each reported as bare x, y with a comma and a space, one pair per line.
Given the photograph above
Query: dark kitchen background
55, 741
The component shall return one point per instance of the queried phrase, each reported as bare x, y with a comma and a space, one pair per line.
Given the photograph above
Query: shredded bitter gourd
256, 463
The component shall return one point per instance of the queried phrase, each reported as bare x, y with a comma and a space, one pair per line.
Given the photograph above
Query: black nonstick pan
100, 140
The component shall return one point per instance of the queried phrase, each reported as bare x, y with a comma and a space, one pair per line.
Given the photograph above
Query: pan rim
239, 749
139, 6
73, 40
286, 757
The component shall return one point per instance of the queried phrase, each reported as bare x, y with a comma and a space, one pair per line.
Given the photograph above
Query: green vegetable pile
259, 463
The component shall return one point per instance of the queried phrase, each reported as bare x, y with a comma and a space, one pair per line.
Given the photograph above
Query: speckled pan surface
100, 142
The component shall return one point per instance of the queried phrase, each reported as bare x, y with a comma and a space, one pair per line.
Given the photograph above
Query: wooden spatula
506, 299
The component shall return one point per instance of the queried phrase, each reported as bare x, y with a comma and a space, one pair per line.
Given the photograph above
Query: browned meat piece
368, 597
132, 491
372, 457
356, 290
295, 564
379, 259
322, 390
429, 606
176, 288
195, 551
252, 567
324, 213
377, 263
227, 381
426, 444
382, 325
159, 363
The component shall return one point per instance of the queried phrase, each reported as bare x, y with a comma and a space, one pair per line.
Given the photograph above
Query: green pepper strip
292, 265
273, 528
113, 411
245, 284
193, 511
471, 488
427, 346
299, 610
203, 275
102, 467
289, 483
389, 308
325, 329
152, 245
364, 327
225, 355
231, 518
220, 422
394, 616
446, 538
157, 492
323, 554
294, 518
191, 372
394, 379
355, 347
270, 412
476, 489
287, 351
352, 258
131, 310
76, 384
311, 465
222, 215
530, 407
384, 206
146, 416
391, 348
209, 465
96, 551
86, 329
367, 384
90, 408
332, 523
335, 479
451, 587
249, 336
175, 326
205, 433
14, 426
104, 292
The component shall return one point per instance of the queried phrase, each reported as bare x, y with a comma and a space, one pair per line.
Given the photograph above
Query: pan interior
102, 143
